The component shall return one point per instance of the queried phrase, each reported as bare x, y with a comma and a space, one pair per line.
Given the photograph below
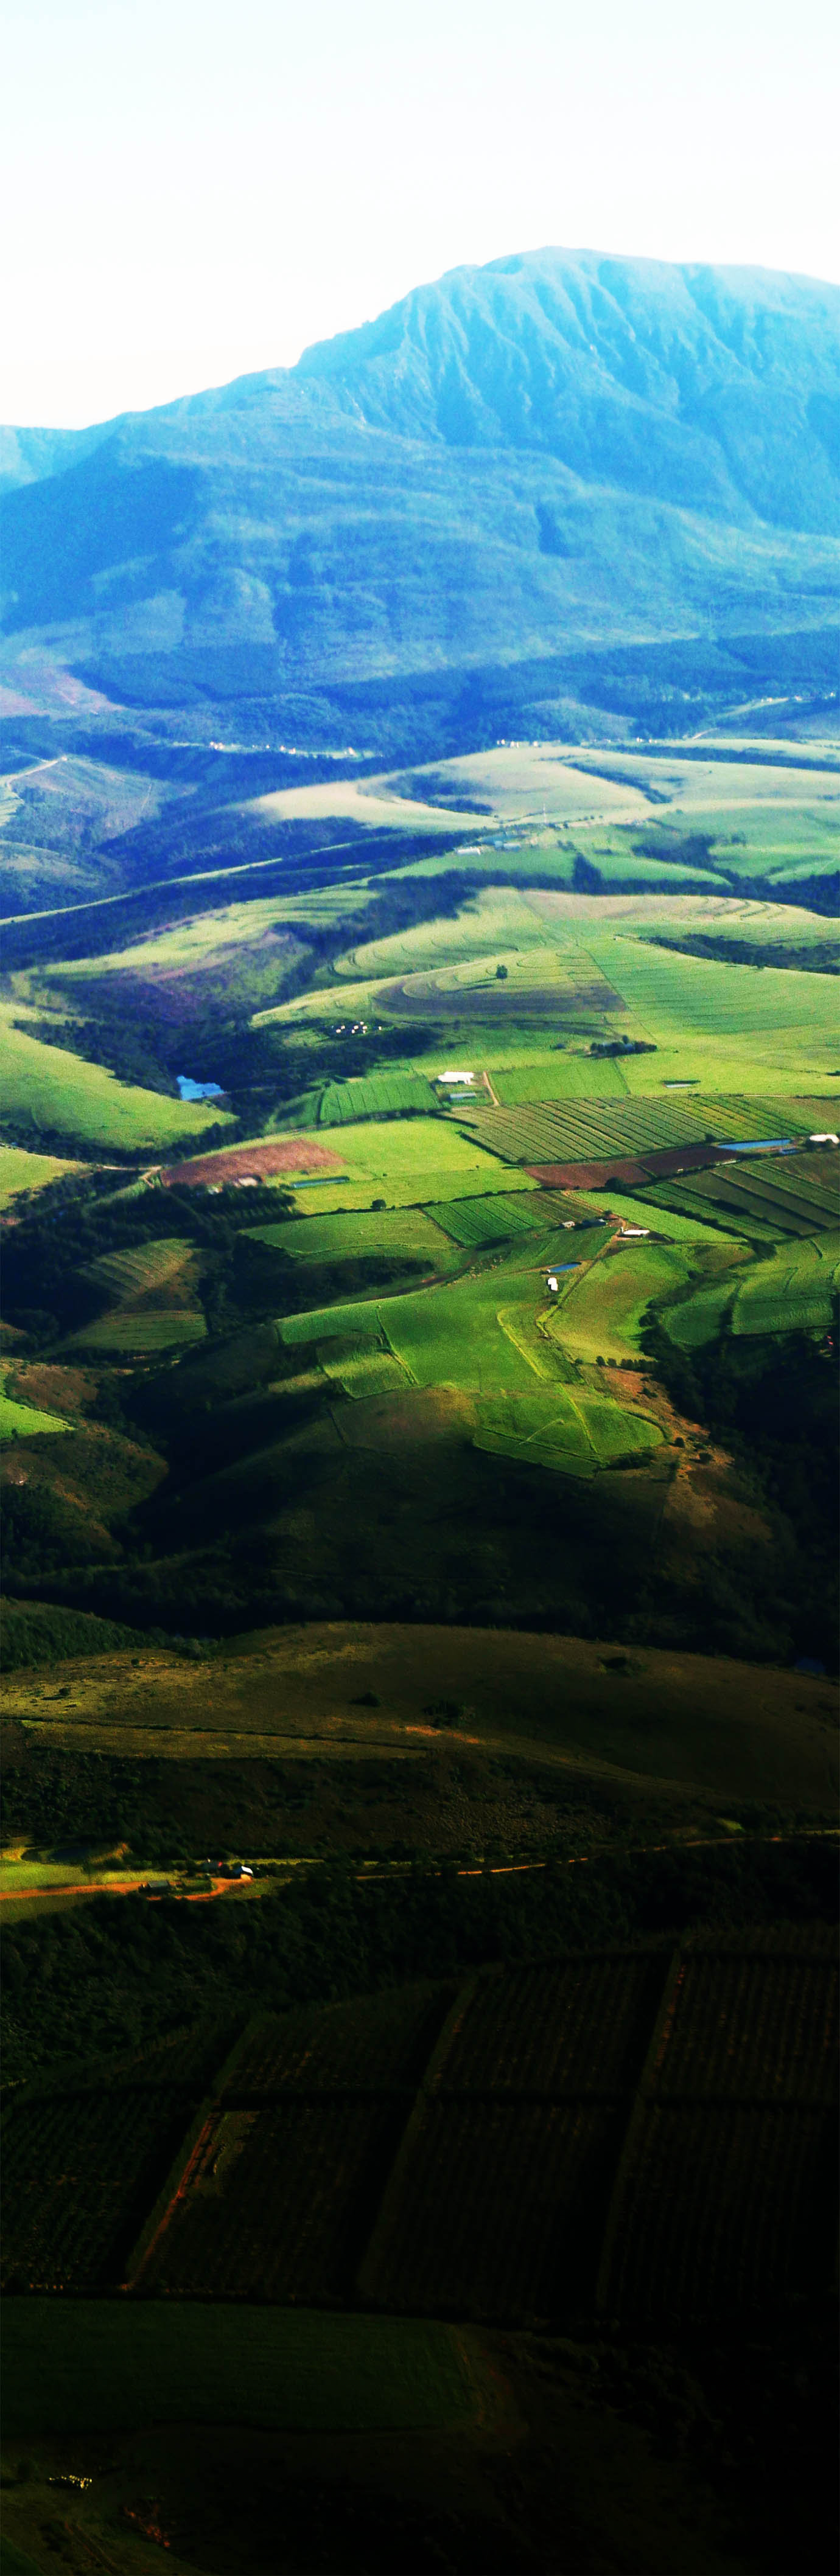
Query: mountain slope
554, 452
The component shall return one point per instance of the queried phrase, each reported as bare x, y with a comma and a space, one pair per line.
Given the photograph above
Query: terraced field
155, 1301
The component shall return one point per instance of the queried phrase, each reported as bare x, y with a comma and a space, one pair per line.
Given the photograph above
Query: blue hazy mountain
558, 451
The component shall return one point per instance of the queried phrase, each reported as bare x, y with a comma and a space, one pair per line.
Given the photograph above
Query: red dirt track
239, 1162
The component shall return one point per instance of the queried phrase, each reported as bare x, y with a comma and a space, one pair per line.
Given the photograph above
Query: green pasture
601, 1313
57, 1089
21, 1170
139, 1335
373, 1096
412, 1149
192, 945
657, 1212
429, 1189
667, 990
568, 1429
359, 1235
361, 1367
22, 1421
703, 1315
492, 1220
792, 1292
100, 2365
560, 1077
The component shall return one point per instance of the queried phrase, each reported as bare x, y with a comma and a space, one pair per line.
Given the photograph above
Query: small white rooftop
451, 1076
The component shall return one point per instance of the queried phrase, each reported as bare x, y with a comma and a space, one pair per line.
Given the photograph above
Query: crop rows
497, 2208
579, 2025
78, 2171
724, 2205
734, 2029
591, 1131
380, 2042
493, 1220
274, 2202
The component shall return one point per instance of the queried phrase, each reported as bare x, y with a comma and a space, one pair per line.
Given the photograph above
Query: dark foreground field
700, 2455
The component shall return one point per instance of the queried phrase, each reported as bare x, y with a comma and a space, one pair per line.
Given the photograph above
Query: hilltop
526, 469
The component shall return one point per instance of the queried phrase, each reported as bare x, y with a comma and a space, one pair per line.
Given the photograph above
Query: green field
22, 1421
560, 1077
376, 1096
414, 1149
138, 1335
429, 1188
96, 2366
20, 1170
360, 1234
494, 1339
601, 1313
793, 1292
57, 1089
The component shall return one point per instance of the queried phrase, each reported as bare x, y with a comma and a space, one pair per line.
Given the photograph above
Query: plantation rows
493, 1220
78, 2172
578, 1131
721, 2206
658, 2123
270, 2210
381, 2042
497, 2206
736, 2031
570, 2028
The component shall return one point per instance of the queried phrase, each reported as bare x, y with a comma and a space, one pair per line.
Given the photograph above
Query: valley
420, 1213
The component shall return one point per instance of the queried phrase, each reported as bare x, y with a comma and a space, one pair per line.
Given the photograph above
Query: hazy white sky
193, 189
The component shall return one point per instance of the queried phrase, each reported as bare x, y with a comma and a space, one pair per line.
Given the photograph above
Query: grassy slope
80, 2366
733, 1729
59, 1090
20, 1170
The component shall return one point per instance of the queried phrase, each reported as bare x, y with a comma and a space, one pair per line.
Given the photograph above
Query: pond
190, 1090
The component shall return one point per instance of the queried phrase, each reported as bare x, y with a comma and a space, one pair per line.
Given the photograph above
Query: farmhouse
451, 1080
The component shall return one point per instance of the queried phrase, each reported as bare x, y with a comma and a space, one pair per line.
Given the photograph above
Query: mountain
546, 457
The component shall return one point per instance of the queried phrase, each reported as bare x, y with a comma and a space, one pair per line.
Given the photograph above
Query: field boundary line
371, 2261
176, 2178
638, 2107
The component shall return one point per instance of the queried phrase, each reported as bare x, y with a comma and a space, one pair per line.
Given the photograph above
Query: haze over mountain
550, 456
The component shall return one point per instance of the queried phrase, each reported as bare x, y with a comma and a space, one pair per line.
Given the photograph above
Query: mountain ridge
550, 453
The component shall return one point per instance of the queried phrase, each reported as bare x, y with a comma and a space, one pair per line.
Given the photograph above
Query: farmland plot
723, 2206
592, 1131
78, 2170
736, 2029
580, 2025
379, 2042
667, 991
156, 1300
494, 2208
375, 1095
269, 2206
600, 1314
794, 1292
560, 1077
497, 1219
357, 1235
